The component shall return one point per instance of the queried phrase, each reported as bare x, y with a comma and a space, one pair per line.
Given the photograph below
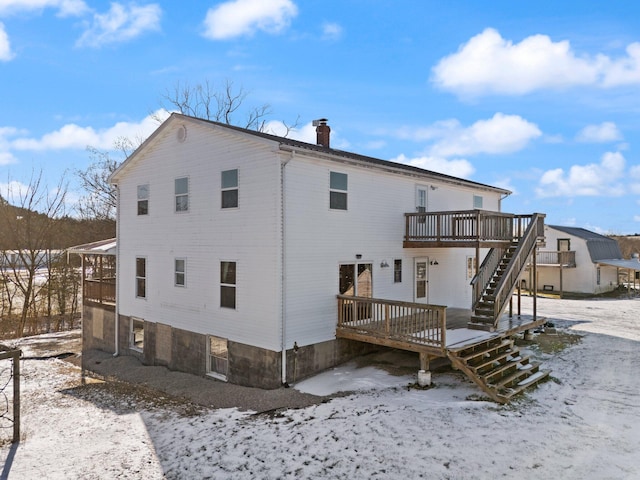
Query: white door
421, 280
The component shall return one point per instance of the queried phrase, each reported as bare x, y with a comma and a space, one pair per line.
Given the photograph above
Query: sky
540, 98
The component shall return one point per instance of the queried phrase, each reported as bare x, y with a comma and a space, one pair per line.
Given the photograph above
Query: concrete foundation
186, 351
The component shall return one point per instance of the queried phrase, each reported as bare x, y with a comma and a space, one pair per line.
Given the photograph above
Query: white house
576, 260
234, 245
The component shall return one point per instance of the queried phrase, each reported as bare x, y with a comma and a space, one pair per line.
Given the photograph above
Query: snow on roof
105, 247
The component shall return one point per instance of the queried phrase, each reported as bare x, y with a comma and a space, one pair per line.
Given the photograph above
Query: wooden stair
484, 316
497, 367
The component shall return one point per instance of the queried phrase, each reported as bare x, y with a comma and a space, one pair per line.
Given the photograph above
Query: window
143, 199
180, 266
229, 189
564, 244
397, 271
137, 334
228, 284
218, 354
471, 267
182, 194
338, 191
477, 201
598, 275
141, 277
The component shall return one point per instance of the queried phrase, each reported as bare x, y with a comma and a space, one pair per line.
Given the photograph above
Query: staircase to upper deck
500, 271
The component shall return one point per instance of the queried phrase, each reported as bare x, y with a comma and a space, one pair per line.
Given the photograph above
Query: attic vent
181, 135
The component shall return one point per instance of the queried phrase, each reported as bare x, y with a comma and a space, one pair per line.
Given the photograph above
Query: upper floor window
228, 284
182, 194
141, 277
180, 272
338, 191
477, 201
143, 199
230, 189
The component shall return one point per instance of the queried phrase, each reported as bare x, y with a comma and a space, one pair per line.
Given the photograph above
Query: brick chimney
323, 132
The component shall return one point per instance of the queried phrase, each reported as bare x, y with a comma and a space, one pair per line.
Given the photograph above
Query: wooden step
493, 377
499, 358
521, 373
485, 327
508, 393
488, 349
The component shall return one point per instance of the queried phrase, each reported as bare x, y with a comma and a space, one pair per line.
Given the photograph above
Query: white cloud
120, 24
331, 31
499, 134
5, 47
14, 191
456, 167
624, 71
603, 179
490, 64
6, 158
72, 136
605, 132
66, 8
244, 17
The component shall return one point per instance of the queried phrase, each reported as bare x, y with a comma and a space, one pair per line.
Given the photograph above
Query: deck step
497, 366
494, 359
522, 371
533, 380
486, 350
501, 371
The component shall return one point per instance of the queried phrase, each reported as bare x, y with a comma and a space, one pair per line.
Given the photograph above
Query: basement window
218, 357
137, 334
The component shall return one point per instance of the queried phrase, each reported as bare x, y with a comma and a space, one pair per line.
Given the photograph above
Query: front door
421, 280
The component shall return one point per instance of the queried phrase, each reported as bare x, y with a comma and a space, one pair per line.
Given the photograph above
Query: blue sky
538, 97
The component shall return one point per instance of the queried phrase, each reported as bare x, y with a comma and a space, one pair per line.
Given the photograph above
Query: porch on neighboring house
479, 341
98, 273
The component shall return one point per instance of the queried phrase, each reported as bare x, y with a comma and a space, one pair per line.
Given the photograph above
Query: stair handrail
485, 273
518, 262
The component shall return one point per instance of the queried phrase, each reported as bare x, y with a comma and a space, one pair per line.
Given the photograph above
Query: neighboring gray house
576, 260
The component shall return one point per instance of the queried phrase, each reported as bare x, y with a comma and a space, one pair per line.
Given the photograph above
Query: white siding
583, 278
204, 236
318, 239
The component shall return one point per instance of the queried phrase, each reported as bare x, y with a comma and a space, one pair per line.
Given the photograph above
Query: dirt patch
551, 342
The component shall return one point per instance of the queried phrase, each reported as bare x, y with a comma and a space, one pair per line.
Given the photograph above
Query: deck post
424, 375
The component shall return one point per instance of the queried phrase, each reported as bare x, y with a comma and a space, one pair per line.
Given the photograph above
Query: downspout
117, 312
283, 264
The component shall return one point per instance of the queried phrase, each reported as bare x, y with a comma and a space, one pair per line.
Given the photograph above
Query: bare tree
222, 104
29, 231
203, 100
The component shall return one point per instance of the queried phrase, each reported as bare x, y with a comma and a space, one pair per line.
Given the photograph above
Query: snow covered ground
582, 424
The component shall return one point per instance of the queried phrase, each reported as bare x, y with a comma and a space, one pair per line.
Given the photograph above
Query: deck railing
565, 258
509, 278
467, 225
393, 320
100, 291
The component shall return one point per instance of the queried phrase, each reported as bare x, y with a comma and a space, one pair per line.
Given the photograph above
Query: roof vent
181, 134
323, 132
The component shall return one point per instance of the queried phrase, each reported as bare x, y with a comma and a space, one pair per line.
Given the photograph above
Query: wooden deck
429, 329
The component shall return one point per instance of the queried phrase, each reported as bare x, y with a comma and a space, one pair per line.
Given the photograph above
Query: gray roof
599, 246
341, 154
